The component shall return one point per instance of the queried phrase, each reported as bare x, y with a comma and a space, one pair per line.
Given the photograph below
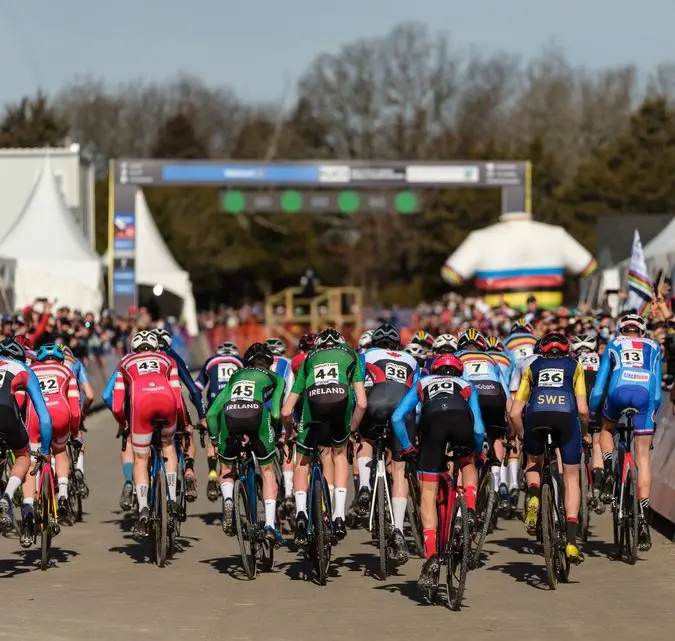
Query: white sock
288, 483
270, 511
80, 462
227, 490
504, 474
142, 495
364, 471
13, 483
300, 502
63, 487
514, 466
496, 475
340, 501
331, 493
171, 478
29, 501
398, 506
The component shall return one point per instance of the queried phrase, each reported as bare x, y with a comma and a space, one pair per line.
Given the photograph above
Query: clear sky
251, 45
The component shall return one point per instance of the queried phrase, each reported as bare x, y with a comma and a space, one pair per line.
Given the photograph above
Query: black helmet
386, 336
258, 355
11, 349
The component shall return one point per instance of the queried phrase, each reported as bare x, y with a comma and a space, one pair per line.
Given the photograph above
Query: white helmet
366, 339
416, 351
276, 345
634, 322
164, 338
144, 341
588, 342
444, 343
227, 349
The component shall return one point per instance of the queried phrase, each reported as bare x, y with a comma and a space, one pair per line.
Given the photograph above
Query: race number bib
243, 391
441, 387
551, 378
589, 361
632, 358
326, 373
524, 351
49, 385
3, 372
477, 370
225, 371
395, 372
150, 366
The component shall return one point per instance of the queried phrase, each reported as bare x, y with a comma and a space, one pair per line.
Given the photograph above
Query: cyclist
365, 341
146, 388
553, 392
241, 409
584, 347
215, 374
393, 372
62, 397
630, 371
165, 339
450, 414
419, 353
481, 370
334, 401
282, 364
17, 378
425, 339
497, 350
520, 341
444, 344
27, 345
305, 346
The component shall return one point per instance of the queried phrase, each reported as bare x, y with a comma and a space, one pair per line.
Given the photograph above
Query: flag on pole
637, 279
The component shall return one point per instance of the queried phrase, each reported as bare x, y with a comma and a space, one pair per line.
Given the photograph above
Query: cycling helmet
366, 339
306, 342
554, 344
144, 341
423, 338
328, 337
495, 344
24, 341
472, 337
444, 344
258, 353
10, 348
447, 364
585, 342
67, 351
521, 326
164, 338
276, 346
632, 322
50, 351
386, 336
227, 349
418, 352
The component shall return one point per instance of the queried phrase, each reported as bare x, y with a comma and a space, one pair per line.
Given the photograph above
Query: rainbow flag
638, 283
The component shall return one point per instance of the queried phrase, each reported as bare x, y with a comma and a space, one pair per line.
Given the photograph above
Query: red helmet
554, 342
24, 341
447, 360
306, 342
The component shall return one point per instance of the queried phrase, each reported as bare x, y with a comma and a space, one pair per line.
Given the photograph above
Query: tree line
601, 142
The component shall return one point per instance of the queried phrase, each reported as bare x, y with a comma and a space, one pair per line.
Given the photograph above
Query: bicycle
586, 483
181, 443
551, 525
452, 533
7, 460
45, 513
250, 532
75, 491
625, 507
413, 508
486, 501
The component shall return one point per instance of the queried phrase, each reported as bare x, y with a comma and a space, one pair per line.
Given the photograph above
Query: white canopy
155, 265
660, 250
53, 258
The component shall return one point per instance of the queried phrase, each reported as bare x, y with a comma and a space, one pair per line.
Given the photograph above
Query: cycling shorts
566, 434
14, 431
60, 415
146, 408
636, 396
492, 401
254, 423
325, 424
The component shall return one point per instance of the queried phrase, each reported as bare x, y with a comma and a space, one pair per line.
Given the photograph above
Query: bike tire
47, 500
457, 553
584, 510
548, 535
320, 535
485, 507
266, 551
414, 518
245, 529
631, 520
160, 519
383, 539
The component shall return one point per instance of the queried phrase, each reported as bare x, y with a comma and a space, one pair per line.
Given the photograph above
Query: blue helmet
50, 350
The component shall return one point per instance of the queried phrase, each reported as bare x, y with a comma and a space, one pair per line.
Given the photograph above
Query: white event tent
51, 258
660, 250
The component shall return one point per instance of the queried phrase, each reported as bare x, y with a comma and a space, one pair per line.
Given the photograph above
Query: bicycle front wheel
382, 530
46, 503
320, 536
245, 529
485, 506
414, 517
457, 554
584, 511
548, 535
160, 519
631, 520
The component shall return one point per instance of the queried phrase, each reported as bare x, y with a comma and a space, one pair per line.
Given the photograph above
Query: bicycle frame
245, 471
448, 491
381, 473
156, 465
550, 474
316, 471
49, 473
626, 462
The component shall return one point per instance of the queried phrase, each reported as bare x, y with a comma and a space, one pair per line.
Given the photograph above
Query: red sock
429, 542
470, 492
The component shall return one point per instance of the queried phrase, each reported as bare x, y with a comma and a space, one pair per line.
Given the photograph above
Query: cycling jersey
520, 345
504, 361
186, 379
482, 371
632, 367
282, 366
549, 388
241, 409
62, 397
297, 361
78, 368
590, 361
150, 382
325, 380
215, 374
16, 379
518, 370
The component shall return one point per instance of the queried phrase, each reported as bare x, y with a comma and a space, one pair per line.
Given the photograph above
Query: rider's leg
607, 447
572, 500
469, 481
287, 473
497, 464
533, 496
643, 444
328, 470
399, 492
269, 491
428, 514
340, 478
300, 483
514, 468
140, 476
62, 471
171, 462
597, 464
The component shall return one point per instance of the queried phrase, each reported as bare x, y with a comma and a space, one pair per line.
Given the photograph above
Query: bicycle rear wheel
485, 506
631, 521
414, 518
457, 554
320, 537
160, 519
265, 549
382, 530
245, 529
548, 535
46, 502
584, 511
